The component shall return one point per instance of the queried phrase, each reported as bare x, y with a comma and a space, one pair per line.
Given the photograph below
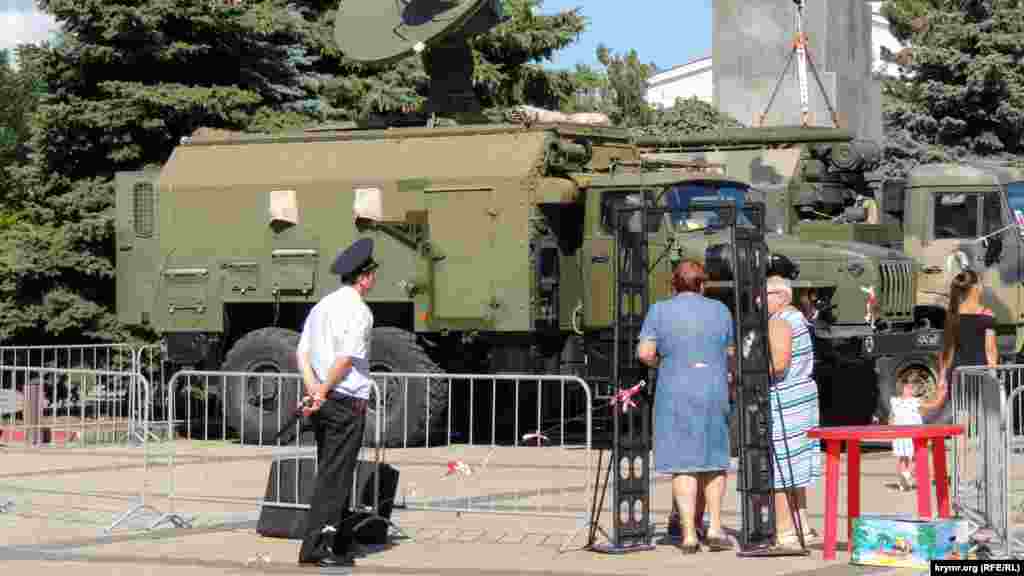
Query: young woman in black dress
968, 338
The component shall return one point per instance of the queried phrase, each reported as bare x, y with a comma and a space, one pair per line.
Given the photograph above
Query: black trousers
339, 429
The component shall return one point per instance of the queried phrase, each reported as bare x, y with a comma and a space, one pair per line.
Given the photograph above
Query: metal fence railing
113, 423
202, 467
36, 376
443, 475
1013, 423
86, 415
521, 431
983, 457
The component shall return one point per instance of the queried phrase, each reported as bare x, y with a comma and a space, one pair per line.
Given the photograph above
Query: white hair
780, 284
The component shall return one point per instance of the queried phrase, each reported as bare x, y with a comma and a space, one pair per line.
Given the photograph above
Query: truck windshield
681, 196
1015, 197
614, 200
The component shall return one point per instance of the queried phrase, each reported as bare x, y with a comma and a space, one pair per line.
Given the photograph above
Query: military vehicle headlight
856, 269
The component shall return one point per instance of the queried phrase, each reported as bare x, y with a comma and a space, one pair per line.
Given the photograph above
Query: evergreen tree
627, 80
20, 89
592, 91
508, 68
962, 94
129, 78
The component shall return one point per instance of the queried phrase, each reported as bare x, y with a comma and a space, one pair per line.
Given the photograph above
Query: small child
908, 411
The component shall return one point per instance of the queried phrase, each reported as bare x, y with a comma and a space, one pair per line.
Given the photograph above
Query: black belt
358, 405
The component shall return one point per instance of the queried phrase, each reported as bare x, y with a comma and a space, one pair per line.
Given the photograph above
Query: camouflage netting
687, 116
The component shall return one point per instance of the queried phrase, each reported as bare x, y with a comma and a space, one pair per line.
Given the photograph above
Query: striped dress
794, 396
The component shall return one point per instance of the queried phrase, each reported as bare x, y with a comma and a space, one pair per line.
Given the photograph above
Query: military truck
496, 243
868, 330
496, 240
956, 216
945, 217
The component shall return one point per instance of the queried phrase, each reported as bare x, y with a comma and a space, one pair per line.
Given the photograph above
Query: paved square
529, 510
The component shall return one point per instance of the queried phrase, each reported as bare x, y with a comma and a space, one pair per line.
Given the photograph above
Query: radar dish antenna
385, 31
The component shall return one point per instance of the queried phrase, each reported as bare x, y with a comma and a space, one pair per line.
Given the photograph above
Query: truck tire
924, 368
256, 413
396, 350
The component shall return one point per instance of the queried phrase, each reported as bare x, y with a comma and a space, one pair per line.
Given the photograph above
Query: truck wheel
256, 411
395, 350
923, 370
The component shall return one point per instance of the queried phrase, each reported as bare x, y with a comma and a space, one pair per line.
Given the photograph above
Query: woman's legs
785, 505
684, 492
701, 504
714, 493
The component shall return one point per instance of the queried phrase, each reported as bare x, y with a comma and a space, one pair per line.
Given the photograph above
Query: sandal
689, 548
718, 543
789, 540
811, 536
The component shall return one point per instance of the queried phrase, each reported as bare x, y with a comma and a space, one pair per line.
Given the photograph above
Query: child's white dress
905, 412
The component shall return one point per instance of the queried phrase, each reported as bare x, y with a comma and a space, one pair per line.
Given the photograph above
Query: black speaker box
295, 476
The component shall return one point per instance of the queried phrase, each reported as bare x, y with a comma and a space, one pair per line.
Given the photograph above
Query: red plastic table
852, 435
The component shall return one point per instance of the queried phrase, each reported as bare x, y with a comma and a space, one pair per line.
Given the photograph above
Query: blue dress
691, 403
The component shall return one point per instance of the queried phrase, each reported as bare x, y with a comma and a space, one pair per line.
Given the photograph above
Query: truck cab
958, 216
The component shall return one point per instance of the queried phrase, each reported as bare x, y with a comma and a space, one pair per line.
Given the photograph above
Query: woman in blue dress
689, 338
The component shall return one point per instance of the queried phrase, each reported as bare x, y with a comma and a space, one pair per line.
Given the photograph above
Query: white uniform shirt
340, 325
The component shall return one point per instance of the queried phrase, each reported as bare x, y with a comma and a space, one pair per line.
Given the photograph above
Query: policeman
333, 356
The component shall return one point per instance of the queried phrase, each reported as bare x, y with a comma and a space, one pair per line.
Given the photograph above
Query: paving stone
534, 539
469, 535
427, 534
491, 537
512, 538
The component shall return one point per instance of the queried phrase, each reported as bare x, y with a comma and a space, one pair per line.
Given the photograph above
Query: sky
21, 22
665, 32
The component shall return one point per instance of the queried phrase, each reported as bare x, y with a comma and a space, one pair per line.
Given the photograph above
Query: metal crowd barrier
205, 469
1014, 471
82, 415
466, 473
983, 457
506, 458
18, 386
148, 360
495, 449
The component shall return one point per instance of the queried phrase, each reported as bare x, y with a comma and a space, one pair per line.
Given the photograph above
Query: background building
695, 78
683, 81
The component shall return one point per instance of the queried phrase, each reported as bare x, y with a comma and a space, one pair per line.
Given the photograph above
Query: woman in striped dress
794, 410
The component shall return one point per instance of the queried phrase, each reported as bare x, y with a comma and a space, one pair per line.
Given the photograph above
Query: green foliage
128, 78
963, 93
19, 91
591, 91
627, 80
507, 59
904, 15
686, 116
127, 81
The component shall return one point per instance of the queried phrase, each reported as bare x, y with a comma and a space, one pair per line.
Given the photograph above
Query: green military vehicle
949, 217
496, 241
944, 216
868, 328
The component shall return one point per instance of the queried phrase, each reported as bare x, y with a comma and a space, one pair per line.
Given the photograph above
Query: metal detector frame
632, 448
